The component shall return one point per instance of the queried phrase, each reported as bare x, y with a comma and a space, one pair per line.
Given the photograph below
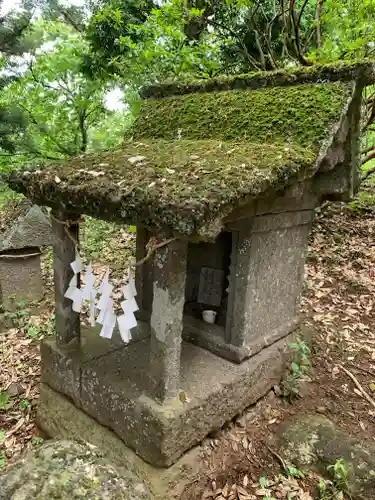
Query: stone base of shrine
59, 418
113, 389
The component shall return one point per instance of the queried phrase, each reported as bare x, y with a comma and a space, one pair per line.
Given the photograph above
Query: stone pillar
170, 263
67, 321
143, 275
266, 278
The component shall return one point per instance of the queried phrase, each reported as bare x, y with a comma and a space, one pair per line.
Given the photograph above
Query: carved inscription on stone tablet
210, 286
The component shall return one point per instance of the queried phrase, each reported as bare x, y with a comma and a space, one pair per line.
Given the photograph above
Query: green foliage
110, 22
5, 401
262, 482
300, 366
64, 110
294, 472
362, 203
19, 316
348, 30
38, 332
337, 488
12, 43
96, 235
340, 475
24, 404
142, 43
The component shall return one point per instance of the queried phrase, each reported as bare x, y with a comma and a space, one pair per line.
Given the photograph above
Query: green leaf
295, 367
5, 402
24, 404
262, 482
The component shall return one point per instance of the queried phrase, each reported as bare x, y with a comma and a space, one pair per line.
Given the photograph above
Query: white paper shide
100, 301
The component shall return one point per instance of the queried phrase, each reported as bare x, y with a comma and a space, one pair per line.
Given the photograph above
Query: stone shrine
221, 179
24, 229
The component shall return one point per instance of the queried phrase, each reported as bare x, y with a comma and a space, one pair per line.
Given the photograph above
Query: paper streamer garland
106, 317
127, 321
74, 293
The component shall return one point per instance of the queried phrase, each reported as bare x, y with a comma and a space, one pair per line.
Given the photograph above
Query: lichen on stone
69, 471
12, 211
343, 70
190, 160
181, 185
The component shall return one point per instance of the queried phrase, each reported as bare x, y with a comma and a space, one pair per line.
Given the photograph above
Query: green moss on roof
362, 70
195, 158
186, 186
301, 114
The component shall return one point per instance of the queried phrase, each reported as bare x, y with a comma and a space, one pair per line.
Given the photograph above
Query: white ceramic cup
209, 316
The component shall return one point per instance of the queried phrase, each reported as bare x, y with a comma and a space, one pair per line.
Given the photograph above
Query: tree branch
318, 13
302, 11
248, 56
368, 172
367, 150
296, 39
366, 159
42, 129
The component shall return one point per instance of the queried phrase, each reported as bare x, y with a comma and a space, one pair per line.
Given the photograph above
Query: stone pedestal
24, 229
20, 277
112, 389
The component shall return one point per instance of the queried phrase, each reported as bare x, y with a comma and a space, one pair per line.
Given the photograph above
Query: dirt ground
242, 460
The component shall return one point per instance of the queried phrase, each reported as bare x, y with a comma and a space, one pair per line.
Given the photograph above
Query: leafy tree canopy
64, 110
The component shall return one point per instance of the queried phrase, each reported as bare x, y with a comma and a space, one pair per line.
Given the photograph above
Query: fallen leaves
19, 378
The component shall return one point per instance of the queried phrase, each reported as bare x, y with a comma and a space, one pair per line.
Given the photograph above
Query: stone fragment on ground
314, 442
68, 470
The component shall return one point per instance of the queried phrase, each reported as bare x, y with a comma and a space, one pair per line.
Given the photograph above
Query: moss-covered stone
300, 113
190, 160
314, 442
68, 471
186, 186
11, 211
362, 70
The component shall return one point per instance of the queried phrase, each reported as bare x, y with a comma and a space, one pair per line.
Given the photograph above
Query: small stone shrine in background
221, 179
24, 228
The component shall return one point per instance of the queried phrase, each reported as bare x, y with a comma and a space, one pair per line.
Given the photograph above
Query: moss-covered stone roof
191, 159
300, 113
343, 71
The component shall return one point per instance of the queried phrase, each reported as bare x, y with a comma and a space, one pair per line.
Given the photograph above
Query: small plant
5, 402
38, 332
19, 316
363, 202
24, 404
338, 487
294, 472
328, 491
340, 475
299, 367
32, 332
262, 482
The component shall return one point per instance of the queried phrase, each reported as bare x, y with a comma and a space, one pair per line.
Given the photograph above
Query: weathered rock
24, 228
313, 442
24, 225
68, 470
